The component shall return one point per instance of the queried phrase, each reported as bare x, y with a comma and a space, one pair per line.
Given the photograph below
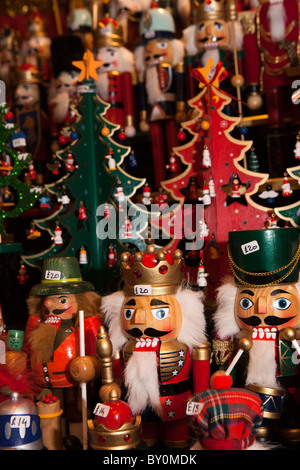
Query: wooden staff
83, 384
55, 8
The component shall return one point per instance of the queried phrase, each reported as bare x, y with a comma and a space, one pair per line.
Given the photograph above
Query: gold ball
125, 257
150, 249
254, 102
205, 125
289, 334
138, 256
160, 256
105, 131
237, 80
177, 254
245, 344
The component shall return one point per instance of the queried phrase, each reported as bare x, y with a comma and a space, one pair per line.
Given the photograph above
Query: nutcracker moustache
259, 311
159, 63
116, 75
157, 330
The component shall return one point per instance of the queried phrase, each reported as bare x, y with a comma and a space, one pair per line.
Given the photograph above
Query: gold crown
36, 26
108, 33
27, 74
124, 438
151, 273
214, 10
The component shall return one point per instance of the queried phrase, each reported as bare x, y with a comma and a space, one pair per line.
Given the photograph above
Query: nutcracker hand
130, 131
144, 126
109, 392
85, 368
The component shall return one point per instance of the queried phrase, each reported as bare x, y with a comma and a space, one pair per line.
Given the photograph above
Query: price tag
250, 247
142, 289
101, 410
193, 408
52, 275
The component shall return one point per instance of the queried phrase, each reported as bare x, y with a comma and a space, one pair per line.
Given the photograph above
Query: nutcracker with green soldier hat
259, 312
52, 336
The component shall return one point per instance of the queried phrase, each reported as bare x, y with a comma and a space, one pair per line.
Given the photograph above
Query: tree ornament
83, 259
122, 136
127, 228
111, 160
105, 131
31, 173
243, 130
146, 197
132, 160
57, 238
253, 161
206, 161
205, 125
33, 233
181, 135
161, 199
112, 256
297, 147
286, 187
172, 167
211, 186
202, 275
22, 276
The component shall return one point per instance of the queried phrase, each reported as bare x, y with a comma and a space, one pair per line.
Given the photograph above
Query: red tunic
56, 374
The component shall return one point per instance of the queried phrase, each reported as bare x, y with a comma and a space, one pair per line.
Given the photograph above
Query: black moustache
271, 320
136, 332
56, 311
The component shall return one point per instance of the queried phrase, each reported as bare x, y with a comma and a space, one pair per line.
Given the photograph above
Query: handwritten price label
250, 247
101, 410
52, 275
142, 289
193, 408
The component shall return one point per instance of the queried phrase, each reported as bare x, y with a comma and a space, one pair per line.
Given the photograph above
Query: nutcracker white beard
154, 92
262, 364
213, 54
141, 380
277, 16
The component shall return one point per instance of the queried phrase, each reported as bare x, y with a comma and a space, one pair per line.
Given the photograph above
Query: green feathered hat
61, 275
259, 258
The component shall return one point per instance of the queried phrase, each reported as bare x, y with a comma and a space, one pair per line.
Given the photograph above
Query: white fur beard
102, 86
61, 102
262, 365
276, 16
154, 92
141, 380
213, 54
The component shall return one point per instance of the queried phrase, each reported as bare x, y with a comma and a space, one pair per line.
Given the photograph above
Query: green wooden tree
94, 185
16, 196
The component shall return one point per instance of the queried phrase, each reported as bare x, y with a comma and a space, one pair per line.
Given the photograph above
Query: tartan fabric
229, 419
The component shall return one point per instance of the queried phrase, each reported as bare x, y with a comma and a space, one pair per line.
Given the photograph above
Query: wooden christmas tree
93, 224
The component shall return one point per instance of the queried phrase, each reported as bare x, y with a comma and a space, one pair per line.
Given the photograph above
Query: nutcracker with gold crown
271, 40
215, 34
31, 116
52, 336
159, 64
116, 75
157, 330
258, 312
35, 50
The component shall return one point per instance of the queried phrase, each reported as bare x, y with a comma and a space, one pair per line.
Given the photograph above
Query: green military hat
61, 275
264, 257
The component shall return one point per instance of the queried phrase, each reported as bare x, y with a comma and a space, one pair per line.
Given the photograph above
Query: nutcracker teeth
264, 333
53, 320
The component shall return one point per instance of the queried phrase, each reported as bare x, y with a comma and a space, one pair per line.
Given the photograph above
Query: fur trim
262, 365
60, 104
189, 40
194, 324
41, 341
225, 324
111, 308
276, 16
141, 381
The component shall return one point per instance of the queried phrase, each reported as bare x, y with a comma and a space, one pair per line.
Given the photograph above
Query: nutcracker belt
166, 390
116, 105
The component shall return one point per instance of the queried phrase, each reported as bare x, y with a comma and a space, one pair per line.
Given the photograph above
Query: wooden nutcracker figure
9, 55
31, 116
157, 329
258, 311
116, 76
62, 94
36, 49
215, 34
52, 333
159, 63
271, 39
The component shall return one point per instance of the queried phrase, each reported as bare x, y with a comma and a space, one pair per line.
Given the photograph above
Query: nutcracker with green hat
258, 308
53, 336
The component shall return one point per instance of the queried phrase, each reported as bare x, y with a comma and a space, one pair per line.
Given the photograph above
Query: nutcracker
52, 333
271, 39
157, 330
116, 75
258, 312
159, 64
215, 34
